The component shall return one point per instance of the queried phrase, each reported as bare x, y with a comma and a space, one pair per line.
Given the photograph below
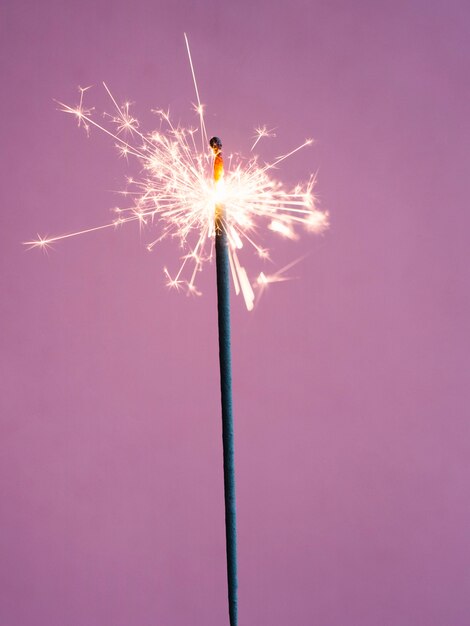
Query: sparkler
186, 192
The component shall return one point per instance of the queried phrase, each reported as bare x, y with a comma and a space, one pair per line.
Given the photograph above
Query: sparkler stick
225, 360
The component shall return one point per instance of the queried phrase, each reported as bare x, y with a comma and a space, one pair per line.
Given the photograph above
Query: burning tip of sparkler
215, 143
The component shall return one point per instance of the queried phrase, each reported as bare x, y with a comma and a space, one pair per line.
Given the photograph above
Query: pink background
352, 394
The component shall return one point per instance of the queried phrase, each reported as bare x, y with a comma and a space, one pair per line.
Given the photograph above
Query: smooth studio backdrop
351, 382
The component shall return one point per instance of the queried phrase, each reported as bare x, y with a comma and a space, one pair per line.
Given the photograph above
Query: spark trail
176, 194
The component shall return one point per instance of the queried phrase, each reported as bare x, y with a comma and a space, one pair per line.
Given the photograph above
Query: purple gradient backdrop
352, 395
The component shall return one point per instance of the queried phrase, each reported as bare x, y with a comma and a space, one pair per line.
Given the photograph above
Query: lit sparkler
212, 210
177, 194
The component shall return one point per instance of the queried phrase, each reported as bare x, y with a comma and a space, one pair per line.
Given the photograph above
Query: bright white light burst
176, 192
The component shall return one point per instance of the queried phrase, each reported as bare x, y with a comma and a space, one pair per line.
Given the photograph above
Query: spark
264, 280
261, 132
80, 112
176, 194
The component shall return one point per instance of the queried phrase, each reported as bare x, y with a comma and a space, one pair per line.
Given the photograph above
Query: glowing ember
177, 192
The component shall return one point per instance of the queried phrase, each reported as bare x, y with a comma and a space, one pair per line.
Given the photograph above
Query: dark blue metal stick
223, 308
